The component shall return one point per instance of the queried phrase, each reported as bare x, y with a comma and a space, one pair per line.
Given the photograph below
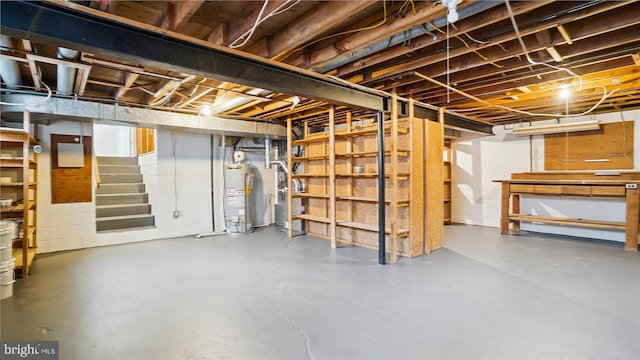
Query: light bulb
452, 16
206, 111
564, 92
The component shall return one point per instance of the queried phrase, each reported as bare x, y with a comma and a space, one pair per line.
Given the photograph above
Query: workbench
622, 186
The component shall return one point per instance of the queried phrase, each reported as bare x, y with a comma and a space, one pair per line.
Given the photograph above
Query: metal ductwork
267, 158
66, 74
9, 69
347, 57
239, 100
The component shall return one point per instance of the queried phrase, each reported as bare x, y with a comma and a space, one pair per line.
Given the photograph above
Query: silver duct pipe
267, 158
416, 31
239, 100
297, 185
66, 74
9, 69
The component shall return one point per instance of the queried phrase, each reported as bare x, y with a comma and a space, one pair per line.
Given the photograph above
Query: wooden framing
343, 178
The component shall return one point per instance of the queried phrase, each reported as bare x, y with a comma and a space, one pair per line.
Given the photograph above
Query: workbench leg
631, 233
515, 209
504, 211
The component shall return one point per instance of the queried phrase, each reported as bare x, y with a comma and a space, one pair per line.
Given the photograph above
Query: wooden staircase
121, 200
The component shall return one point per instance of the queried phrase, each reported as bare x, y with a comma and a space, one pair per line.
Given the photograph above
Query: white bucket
7, 278
7, 234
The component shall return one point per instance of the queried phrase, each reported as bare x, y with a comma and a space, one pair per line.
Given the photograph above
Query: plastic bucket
7, 278
7, 234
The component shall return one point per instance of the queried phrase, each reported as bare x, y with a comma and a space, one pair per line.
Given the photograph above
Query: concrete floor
264, 296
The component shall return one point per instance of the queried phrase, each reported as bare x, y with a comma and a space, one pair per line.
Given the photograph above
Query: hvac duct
9, 70
238, 101
351, 56
66, 74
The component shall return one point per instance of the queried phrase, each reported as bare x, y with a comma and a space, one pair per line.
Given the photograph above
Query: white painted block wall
476, 198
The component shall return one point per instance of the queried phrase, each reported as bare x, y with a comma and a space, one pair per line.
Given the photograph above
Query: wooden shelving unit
344, 166
18, 164
446, 158
316, 200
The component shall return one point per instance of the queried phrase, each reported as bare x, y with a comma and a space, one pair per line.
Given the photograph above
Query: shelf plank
312, 139
307, 195
17, 253
370, 199
369, 227
370, 154
315, 218
18, 208
594, 224
296, 176
371, 175
17, 184
309, 158
368, 130
16, 136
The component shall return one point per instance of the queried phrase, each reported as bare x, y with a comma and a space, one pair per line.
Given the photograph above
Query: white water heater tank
237, 190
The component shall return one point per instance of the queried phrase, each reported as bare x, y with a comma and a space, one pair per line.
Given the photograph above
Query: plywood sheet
610, 147
71, 185
434, 189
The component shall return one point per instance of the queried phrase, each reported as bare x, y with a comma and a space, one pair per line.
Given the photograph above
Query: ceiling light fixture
564, 92
452, 16
557, 128
206, 110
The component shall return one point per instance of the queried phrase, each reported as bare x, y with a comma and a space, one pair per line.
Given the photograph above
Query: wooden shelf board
369, 199
17, 253
311, 139
16, 136
308, 195
369, 227
18, 208
315, 218
296, 176
368, 130
595, 224
371, 175
16, 184
370, 154
309, 158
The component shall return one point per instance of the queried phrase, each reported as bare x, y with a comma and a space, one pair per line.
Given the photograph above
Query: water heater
238, 181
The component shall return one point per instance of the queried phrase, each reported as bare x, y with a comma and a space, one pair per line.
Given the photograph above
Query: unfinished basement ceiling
590, 47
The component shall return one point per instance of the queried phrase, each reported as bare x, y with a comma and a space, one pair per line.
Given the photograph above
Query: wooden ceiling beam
495, 14
507, 41
183, 11
248, 17
326, 16
358, 40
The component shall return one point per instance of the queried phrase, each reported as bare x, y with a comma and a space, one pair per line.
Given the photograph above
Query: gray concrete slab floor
265, 296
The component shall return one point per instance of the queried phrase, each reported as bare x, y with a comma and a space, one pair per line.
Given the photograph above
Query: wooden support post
382, 253
290, 177
504, 208
417, 178
332, 176
515, 205
631, 233
394, 177
25, 195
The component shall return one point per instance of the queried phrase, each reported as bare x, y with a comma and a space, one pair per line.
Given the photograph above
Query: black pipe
381, 215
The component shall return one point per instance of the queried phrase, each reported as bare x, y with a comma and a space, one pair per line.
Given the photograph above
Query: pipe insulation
9, 69
66, 74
